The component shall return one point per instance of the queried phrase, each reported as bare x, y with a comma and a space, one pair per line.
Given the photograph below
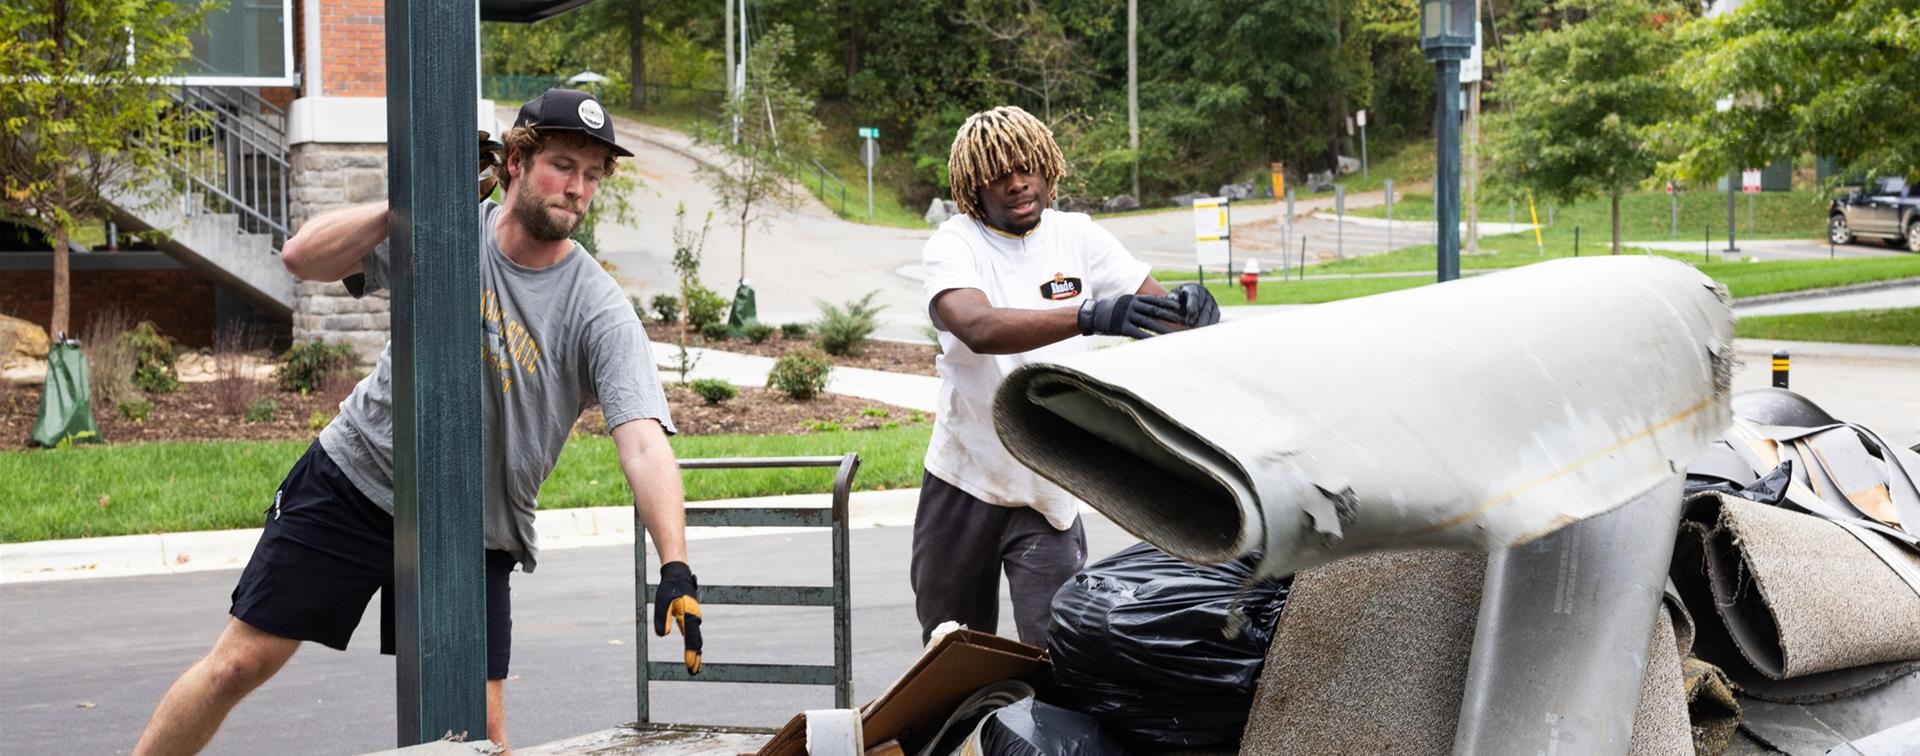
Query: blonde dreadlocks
993, 143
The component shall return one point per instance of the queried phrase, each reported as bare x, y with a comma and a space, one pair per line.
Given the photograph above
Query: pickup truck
1888, 209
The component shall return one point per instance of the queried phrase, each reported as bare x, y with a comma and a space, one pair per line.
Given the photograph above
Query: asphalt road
85, 661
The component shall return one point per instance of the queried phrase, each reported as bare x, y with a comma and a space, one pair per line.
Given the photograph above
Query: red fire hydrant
1250, 280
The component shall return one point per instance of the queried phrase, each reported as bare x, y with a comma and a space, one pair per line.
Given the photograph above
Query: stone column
326, 177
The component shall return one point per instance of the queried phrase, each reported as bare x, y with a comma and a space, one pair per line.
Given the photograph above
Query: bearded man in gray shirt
559, 335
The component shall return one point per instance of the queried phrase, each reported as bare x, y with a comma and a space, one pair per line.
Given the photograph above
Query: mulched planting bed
184, 415
189, 415
892, 356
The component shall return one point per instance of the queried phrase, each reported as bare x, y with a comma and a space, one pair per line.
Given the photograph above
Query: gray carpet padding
1371, 657
1795, 594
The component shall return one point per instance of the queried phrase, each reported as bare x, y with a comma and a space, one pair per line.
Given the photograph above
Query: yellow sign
1279, 179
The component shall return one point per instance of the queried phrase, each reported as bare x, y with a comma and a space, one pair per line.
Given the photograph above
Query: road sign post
1290, 232
1673, 204
1389, 215
1340, 221
1212, 233
870, 154
1361, 118
1750, 185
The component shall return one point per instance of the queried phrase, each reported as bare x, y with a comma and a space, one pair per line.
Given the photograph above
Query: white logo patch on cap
592, 115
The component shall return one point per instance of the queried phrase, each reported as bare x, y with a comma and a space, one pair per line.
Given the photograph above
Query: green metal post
1446, 191
439, 538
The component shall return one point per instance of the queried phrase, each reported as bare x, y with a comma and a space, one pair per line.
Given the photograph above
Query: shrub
822, 426
152, 359
666, 308
801, 374
135, 409
262, 410
317, 421
233, 388
793, 330
873, 412
758, 333
705, 306
714, 390
715, 332
845, 330
310, 366
109, 358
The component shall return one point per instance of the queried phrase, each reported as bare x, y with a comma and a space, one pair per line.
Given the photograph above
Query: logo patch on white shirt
1061, 287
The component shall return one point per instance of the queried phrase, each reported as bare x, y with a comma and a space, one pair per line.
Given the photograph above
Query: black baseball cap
570, 110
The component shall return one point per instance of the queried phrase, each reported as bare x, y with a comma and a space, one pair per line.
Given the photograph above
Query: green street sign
869, 132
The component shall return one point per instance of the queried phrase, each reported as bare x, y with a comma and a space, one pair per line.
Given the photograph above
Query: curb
1764, 349
559, 529
1793, 296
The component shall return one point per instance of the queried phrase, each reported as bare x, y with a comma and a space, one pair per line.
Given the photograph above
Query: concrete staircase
211, 243
224, 211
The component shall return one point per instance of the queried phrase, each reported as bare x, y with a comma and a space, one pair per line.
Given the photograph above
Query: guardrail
822, 175
239, 161
840, 673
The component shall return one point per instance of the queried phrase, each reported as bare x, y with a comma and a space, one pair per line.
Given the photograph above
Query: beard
532, 213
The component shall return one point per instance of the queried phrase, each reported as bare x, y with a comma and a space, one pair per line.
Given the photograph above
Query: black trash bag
1769, 489
1164, 653
1031, 728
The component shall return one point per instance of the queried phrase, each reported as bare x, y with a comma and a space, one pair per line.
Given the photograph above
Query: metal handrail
240, 162
821, 176
840, 673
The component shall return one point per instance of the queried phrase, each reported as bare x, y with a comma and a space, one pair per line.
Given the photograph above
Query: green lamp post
1446, 34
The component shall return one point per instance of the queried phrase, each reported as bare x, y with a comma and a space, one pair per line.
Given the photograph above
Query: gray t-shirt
555, 340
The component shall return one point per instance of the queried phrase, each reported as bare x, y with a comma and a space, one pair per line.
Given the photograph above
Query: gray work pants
960, 544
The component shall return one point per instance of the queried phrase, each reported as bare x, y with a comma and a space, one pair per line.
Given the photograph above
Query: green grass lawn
1743, 279
174, 487
1648, 216
1900, 327
1313, 291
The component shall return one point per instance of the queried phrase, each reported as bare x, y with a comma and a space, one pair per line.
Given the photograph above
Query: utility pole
732, 79
1473, 143
1133, 89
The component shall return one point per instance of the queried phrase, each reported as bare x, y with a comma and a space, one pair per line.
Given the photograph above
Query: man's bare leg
497, 714
192, 710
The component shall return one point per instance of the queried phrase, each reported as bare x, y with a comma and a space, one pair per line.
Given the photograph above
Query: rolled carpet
1797, 595
1480, 413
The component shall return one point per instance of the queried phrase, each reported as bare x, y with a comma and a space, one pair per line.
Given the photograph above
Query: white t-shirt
1063, 262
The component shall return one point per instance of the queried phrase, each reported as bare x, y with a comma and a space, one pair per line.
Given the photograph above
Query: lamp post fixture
1446, 34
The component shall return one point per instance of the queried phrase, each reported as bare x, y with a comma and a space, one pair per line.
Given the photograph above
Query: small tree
1582, 102
1837, 79
85, 112
688, 247
776, 139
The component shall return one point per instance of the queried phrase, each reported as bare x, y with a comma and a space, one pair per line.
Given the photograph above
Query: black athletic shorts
325, 550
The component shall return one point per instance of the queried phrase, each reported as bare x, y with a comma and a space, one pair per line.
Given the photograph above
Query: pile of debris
1522, 513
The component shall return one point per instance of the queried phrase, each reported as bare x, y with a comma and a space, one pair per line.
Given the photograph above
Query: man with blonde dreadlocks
1009, 282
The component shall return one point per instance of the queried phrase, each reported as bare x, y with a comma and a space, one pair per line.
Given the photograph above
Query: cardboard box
921, 700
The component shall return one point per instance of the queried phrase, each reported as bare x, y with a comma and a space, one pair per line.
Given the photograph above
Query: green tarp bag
744, 312
64, 409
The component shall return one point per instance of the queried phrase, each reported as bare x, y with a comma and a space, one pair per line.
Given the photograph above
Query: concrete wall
326, 177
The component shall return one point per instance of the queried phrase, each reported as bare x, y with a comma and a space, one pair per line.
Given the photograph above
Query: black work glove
1197, 307
492, 153
678, 598
1133, 315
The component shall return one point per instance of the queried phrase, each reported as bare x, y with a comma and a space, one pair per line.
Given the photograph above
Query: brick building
297, 92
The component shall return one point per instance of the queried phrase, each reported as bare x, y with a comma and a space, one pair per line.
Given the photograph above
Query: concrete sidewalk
898, 389
175, 553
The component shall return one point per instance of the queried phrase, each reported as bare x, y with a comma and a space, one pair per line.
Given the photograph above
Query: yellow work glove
678, 598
